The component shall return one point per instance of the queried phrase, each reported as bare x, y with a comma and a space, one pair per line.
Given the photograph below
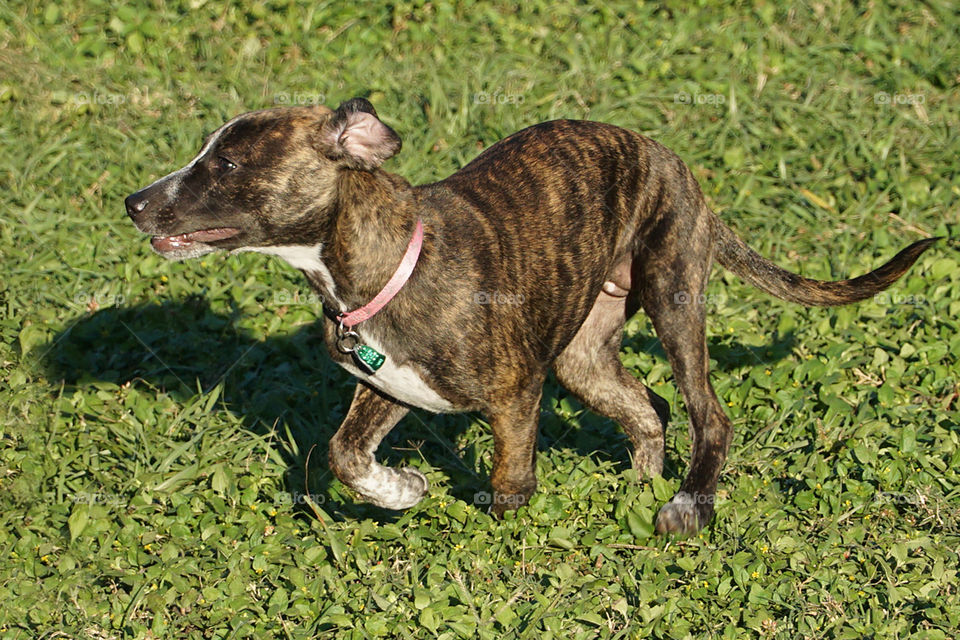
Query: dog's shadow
287, 385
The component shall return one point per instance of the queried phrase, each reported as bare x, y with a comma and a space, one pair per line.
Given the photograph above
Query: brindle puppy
534, 256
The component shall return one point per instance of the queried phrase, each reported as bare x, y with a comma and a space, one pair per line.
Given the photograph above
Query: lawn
163, 446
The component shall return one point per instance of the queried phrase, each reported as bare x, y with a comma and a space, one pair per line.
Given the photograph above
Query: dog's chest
405, 383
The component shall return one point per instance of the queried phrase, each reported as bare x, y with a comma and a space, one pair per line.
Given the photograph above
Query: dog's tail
734, 254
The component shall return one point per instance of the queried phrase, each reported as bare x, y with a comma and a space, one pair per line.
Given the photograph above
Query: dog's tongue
170, 243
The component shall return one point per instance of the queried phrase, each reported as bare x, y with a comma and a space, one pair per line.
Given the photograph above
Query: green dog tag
369, 359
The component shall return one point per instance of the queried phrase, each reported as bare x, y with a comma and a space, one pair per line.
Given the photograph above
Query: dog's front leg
371, 417
515, 426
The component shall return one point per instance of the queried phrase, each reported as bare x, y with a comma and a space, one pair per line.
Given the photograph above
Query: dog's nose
136, 203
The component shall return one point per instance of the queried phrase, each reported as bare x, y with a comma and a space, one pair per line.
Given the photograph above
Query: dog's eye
225, 165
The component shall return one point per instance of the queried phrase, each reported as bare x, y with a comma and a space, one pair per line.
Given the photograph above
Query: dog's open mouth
185, 242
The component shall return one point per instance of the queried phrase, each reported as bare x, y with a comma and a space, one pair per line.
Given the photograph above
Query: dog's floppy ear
355, 136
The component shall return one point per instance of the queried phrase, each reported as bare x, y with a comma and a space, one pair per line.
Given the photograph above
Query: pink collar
349, 319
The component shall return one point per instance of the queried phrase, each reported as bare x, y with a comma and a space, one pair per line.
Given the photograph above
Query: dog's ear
355, 136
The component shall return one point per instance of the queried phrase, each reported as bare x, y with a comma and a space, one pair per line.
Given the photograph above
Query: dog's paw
683, 515
395, 489
504, 501
417, 486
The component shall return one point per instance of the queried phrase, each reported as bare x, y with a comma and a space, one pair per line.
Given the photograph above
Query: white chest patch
298, 256
301, 256
403, 383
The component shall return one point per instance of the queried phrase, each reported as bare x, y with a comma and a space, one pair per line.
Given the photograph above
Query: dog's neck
371, 226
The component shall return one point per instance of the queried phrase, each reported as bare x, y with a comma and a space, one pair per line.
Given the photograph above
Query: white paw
393, 488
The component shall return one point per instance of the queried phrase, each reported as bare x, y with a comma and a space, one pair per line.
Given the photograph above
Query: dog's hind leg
590, 368
672, 295
370, 418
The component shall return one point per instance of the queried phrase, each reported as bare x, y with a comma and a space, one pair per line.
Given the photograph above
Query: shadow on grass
288, 383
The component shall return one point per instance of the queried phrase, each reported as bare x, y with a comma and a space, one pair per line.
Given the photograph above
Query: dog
461, 295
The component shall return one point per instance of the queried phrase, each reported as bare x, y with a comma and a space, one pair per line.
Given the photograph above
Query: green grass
164, 424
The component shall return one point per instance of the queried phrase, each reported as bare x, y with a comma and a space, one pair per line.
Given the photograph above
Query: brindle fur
548, 215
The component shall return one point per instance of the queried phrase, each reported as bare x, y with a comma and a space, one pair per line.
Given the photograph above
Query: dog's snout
136, 203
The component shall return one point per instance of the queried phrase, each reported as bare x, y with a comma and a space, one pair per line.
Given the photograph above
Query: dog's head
264, 179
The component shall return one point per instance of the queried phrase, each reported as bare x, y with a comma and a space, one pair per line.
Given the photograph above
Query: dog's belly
404, 383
